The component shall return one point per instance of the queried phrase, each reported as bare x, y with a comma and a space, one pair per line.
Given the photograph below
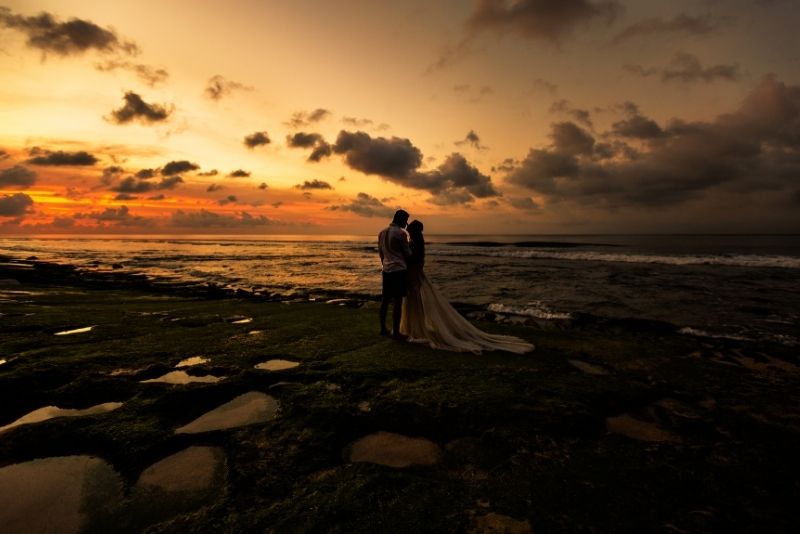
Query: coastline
609, 425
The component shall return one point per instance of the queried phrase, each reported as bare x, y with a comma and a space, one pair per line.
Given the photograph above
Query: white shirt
393, 248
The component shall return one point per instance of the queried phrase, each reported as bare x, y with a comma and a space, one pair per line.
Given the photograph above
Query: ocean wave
734, 260
533, 309
781, 339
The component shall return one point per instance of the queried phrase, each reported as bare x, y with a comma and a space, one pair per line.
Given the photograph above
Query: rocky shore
130, 406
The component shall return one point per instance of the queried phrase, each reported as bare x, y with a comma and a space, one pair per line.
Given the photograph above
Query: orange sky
486, 116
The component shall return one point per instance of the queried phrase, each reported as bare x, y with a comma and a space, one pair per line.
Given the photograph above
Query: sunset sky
324, 116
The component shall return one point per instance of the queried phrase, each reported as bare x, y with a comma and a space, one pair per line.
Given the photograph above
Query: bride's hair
415, 228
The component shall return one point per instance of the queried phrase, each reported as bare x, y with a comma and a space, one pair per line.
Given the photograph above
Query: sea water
721, 286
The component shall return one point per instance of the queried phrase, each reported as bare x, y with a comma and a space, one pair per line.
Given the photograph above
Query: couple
427, 317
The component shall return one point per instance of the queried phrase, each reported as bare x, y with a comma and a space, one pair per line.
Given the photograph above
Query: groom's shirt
393, 248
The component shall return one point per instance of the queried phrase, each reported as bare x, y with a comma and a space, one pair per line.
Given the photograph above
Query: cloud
116, 217
218, 87
145, 173
152, 76
125, 196
356, 122
16, 205
132, 185
161, 196
523, 203
581, 115
72, 37
137, 109
17, 176
263, 186
257, 139
114, 170
314, 184
453, 54
321, 149
685, 67
682, 24
61, 158
230, 199
238, 173
209, 219
754, 148
540, 84
507, 165
366, 206
175, 167
302, 118
213, 187
398, 161
548, 21
3, 154
472, 139
212, 172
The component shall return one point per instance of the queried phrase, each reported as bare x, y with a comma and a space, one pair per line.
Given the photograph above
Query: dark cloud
682, 24
114, 170
257, 139
539, 19
230, 199
314, 184
209, 219
507, 165
452, 54
3, 154
152, 76
116, 217
238, 173
137, 109
302, 118
59, 157
569, 138
366, 206
212, 172
394, 158
125, 196
72, 37
16, 205
213, 187
162, 196
218, 87
17, 175
145, 173
263, 185
523, 203
176, 167
581, 115
131, 184
472, 139
356, 122
755, 148
321, 149
398, 161
685, 67
540, 84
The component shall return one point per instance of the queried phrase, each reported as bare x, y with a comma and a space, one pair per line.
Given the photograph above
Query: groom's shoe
397, 336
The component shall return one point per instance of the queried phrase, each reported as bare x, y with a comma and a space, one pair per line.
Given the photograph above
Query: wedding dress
428, 318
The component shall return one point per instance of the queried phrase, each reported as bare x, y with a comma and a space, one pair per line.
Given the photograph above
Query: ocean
739, 287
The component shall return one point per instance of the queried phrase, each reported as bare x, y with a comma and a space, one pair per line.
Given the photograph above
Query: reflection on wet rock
50, 412
250, 408
75, 331
60, 494
394, 450
191, 470
194, 360
277, 365
182, 377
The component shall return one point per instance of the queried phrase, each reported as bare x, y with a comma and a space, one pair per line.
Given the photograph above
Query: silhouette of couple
426, 317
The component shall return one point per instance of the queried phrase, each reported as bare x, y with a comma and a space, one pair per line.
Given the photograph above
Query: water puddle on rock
194, 360
255, 332
75, 331
182, 377
277, 365
192, 470
58, 494
394, 450
250, 408
51, 412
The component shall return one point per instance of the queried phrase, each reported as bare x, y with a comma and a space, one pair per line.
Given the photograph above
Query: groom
394, 251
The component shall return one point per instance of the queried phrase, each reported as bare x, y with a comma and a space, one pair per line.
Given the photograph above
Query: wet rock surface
661, 432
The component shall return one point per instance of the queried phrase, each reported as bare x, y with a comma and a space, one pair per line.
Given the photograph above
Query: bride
428, 318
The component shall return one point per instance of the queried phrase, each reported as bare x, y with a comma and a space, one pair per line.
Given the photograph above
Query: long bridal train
430, 319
